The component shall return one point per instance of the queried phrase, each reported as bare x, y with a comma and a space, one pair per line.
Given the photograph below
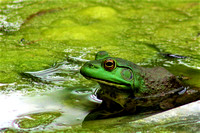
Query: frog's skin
126, 86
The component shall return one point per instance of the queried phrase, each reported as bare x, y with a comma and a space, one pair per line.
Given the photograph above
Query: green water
38, 35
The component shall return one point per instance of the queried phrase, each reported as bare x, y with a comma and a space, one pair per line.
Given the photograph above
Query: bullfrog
126, 87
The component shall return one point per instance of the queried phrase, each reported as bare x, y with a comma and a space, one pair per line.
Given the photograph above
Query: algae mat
36, 34
41, 34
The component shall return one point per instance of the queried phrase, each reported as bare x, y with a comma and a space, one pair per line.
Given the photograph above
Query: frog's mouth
109, 83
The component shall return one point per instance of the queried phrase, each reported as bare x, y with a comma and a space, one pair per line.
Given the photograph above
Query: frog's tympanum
126, 87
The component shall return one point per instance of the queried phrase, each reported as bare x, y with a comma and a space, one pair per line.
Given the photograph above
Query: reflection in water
73, 106
52, 74
13, 105
73, 103
91, 97
94, 99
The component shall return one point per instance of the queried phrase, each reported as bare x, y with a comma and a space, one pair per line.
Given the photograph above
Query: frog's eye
109, 64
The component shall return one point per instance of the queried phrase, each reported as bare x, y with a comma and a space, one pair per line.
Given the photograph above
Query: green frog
126, 87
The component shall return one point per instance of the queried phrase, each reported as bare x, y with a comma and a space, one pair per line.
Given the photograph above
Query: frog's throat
119, 86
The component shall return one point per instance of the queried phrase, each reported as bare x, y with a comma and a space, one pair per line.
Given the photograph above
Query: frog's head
110, 71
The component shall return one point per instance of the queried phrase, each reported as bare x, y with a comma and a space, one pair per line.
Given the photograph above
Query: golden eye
109, 64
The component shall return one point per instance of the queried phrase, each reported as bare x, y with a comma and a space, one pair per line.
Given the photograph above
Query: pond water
44, 43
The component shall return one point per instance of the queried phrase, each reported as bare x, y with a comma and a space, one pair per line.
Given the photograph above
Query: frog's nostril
90, 65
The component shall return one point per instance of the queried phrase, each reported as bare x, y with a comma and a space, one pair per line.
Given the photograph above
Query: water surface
44, 44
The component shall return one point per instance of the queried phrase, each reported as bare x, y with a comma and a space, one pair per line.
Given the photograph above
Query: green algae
39, 33
37, 119
109, 26
86, 25
99, 13
104, 24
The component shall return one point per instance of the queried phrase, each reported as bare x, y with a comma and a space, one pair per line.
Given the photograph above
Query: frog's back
158, 79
